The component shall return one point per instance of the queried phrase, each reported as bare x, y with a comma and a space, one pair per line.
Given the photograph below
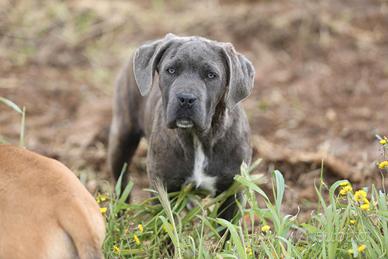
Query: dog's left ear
241, 76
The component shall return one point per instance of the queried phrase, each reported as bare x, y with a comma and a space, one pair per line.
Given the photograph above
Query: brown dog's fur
45, 212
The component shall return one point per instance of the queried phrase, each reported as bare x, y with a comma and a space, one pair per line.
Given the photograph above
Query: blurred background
321, 86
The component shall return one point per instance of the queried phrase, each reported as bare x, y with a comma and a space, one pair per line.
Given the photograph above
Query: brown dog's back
45, 212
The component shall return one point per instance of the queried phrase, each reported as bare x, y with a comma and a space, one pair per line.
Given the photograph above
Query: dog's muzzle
186, 110
186, 102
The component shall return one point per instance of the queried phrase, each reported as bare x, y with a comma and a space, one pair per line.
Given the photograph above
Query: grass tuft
183, 224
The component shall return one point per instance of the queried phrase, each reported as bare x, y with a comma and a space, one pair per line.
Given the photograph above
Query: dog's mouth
184, 124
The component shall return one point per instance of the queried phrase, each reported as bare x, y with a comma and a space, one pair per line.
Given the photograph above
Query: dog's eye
171, 70
211, 75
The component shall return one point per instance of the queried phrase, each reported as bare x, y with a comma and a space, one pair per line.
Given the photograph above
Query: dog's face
192, 79
195, 76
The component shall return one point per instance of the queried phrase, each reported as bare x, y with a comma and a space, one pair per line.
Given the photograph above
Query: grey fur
148, 102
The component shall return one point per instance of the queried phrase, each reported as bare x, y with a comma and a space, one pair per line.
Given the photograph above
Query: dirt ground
321, 83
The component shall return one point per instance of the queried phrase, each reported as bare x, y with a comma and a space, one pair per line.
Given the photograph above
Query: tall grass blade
11, 104
235, 237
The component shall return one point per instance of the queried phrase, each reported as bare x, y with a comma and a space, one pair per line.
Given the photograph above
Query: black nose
186, 99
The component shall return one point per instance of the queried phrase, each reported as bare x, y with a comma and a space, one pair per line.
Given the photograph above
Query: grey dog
183, 95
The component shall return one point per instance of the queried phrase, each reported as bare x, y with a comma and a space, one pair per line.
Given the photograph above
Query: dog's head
195, 76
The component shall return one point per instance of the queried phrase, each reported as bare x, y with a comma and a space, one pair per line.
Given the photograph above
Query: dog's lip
184, 123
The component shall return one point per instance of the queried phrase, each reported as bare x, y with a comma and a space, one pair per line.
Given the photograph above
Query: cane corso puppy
183, 95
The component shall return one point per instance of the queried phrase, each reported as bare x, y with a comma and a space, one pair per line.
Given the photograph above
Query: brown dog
45, 212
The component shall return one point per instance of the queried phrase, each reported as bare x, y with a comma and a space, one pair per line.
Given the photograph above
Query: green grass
184, 225
22, 112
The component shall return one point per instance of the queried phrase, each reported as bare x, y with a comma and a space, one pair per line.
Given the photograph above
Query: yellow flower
136, 239
344, 183
350, 251
353, 221
265, 228
101, 198
383, 141
365, 206
346, 189
116, 249
383, 164
361, 248
248, 250
360, 195
140, 227
103, 210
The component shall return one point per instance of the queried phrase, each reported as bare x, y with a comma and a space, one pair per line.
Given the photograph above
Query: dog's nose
186, 99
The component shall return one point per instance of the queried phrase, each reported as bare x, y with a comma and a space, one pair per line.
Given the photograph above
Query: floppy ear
240, 78
145, 61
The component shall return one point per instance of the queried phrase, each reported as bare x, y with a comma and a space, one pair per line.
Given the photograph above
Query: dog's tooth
184, 124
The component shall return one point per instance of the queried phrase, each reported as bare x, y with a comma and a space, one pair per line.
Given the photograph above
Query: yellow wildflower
353, 221
101, 198
136, 239
346, 189
361, 248
265, 228
116, 249
383, 165
103, 210
360, 195
383, 141
140, 227
365, 206
248, 250
344, 183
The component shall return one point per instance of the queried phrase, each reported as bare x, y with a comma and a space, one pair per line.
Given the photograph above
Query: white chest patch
199, 177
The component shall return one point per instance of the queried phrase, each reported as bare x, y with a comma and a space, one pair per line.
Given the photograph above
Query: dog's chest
199, 177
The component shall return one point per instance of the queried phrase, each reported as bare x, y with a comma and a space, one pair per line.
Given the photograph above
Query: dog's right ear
146, 59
